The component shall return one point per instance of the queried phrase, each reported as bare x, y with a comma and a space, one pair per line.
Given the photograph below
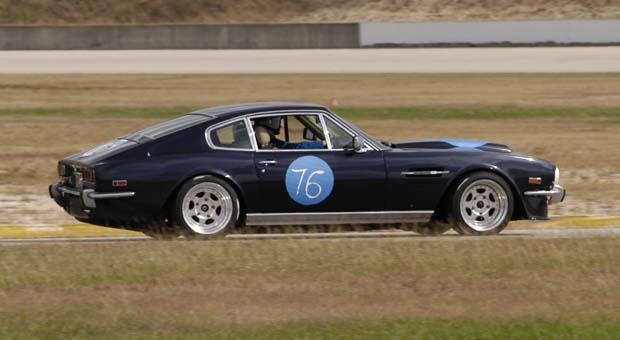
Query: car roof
234, 110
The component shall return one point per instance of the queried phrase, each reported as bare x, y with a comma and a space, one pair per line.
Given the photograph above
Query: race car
207, 172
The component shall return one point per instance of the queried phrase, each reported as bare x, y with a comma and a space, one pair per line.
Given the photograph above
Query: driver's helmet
271, 123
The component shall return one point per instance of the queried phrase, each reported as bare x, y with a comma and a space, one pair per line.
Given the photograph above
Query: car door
327, 179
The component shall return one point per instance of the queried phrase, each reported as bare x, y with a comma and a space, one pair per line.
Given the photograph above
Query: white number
303, 172
308, 182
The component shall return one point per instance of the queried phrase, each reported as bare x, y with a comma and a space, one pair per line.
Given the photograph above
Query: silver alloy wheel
207, 208
484, 205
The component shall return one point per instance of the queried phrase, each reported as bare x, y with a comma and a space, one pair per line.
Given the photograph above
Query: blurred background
540, 76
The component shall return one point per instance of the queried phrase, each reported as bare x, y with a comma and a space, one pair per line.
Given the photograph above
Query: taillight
62, 170
88, 175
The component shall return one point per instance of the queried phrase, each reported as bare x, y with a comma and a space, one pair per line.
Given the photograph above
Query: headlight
556, 178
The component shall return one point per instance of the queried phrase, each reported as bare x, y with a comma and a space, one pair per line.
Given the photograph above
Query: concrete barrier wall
179, 37
512, 32
300, 36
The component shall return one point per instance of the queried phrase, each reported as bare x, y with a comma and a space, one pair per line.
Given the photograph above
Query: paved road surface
450, 236
432, 60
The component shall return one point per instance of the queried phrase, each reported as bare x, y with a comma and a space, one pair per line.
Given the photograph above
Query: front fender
521, 208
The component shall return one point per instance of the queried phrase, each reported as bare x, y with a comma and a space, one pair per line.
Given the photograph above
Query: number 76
308, 182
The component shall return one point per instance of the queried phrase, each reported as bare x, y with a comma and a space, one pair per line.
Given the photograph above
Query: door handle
266, 163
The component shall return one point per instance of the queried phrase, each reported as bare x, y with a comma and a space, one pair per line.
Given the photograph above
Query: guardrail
286, 36
304, 36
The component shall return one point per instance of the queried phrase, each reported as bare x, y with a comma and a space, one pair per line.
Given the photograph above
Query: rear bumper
555, 195
87, 197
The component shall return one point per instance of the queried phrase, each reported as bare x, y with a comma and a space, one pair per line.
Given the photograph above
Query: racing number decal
309, 180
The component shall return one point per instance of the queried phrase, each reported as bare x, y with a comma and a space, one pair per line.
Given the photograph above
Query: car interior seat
263, 137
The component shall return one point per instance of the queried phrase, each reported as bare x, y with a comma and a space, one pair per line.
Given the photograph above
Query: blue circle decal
309, 180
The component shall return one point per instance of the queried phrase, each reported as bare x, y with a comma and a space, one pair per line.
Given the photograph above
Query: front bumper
555, 195
87, 197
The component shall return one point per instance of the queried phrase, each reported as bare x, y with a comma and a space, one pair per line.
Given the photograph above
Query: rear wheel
481, 205
206, 207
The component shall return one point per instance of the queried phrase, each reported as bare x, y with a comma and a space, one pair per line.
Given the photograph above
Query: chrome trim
355, 130
330, 115
425, 173
251, 132
88, 201
225, 123
367, 145
361, 217
328, 138
556, 195
270, 162
107, 195
69, 191
291, 113
297, 150
88, 196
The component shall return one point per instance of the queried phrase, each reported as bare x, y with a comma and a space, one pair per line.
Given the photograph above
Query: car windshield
362, 133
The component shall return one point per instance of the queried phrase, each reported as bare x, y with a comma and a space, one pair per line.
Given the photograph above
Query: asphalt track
388, 60
550, 233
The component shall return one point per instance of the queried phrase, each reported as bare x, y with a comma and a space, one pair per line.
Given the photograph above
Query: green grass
313, 289
75, 326
357, 113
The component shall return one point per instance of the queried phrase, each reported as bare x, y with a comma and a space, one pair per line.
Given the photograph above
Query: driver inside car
266, 130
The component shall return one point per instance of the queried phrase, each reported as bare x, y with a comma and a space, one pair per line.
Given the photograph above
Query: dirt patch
270, 11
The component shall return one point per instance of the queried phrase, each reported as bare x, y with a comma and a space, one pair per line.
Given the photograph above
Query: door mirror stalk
357, 146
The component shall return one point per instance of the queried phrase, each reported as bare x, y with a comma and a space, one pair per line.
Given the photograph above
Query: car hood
452, 144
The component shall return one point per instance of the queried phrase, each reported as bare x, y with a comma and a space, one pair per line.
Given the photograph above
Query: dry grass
31, 146
174, 286
351, 90
583, 146
270, 11
224, 289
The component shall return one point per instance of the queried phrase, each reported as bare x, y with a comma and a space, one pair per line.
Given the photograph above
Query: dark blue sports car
209, 171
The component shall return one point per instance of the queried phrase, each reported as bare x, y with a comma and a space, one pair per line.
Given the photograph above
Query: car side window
339, 137
231, 136
289, 132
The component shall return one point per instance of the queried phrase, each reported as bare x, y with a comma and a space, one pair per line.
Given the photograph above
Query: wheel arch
442, 209
167, 207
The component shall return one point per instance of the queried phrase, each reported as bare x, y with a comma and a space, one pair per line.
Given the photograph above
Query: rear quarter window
231, 136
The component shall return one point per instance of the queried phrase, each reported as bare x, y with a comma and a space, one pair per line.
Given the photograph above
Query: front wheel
206, 207
481, 205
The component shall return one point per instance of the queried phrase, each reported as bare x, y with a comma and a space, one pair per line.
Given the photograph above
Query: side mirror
357, 145
309, 135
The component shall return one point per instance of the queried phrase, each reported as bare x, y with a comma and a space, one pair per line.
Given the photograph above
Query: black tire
491, 196
220, 205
